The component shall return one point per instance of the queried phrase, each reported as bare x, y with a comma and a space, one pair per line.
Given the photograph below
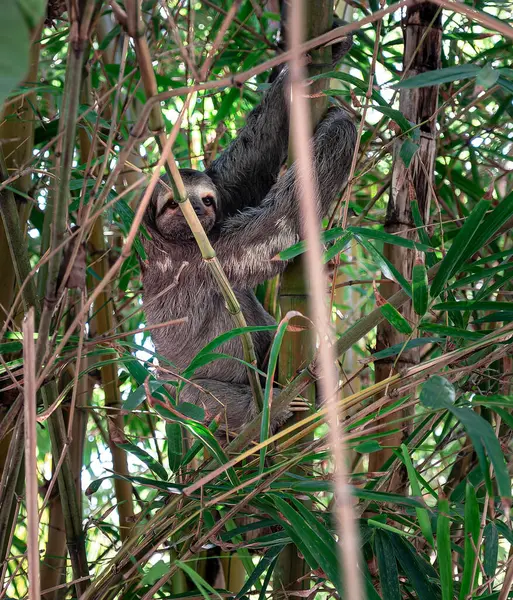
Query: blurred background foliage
432, 486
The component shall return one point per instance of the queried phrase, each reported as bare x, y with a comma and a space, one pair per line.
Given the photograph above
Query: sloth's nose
199, 209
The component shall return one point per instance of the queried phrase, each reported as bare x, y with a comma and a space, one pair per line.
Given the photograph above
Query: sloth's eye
172, 204
208, 200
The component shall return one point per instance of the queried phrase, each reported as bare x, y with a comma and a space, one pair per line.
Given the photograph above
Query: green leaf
174, 446
387, 268
266, 562
368, 447
422, 514
493, 222
14, 48
443, 549
491, 549
269, 385
146, 458
471, 305
138, 396
33, 11
360, 84
461, 248
396, 319
191, 411
199, 359
337, 247
206, 590
394, 240
438, 393
314, 547
387, 566
199, 431
399, 348
398, 117
420, 291
439, 76
487, 76
407, 151
471, 528
154, 573
300, 247
415, 568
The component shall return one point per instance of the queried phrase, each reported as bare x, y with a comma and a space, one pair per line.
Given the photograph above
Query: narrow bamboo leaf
191, 411
420, 289
471, 529
443, 549
145, 457
421, 232
213, 426
266, 562
138, 396
10, 347
397, 348
422, 513
487, 76
368, 447
498, 284
361, 84
480, 274
337, 247
387, 566
202, 359
471, 305
201, 432
385, 265
398, 117
439, 76
506, 317
170, 487
407, 151
438, 393
491, 549
461, 248
493, 222
416, 569
395, 240
454, 332
206, 590
174, 446
269, 383
154, 573
396, 319
221, 339
316, 547
300, 248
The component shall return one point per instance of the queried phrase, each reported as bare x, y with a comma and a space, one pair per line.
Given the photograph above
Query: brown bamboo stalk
346, 526
30, 387
298, 347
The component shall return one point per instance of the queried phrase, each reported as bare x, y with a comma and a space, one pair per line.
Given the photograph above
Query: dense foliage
138, 508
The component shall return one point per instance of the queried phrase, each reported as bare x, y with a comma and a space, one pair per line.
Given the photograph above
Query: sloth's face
168, 218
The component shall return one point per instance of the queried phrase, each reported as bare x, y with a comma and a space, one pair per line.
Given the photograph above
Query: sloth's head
164, 214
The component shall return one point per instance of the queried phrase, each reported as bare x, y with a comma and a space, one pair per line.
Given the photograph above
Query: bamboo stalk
30, 387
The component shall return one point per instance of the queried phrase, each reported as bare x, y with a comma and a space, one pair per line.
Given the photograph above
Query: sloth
250, 214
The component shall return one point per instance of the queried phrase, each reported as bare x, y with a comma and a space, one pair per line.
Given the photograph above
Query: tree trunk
422, 45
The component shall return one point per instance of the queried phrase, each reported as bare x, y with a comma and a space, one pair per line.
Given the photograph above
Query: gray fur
257, 216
